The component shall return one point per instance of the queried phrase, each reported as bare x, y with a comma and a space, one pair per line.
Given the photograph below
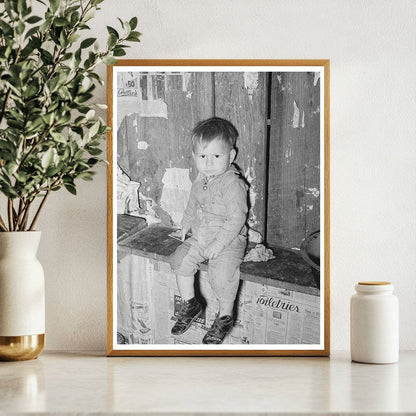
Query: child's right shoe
190, 310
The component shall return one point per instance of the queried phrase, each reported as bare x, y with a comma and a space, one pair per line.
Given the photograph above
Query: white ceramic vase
22, 296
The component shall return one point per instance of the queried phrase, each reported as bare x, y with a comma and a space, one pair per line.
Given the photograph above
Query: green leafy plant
50, 134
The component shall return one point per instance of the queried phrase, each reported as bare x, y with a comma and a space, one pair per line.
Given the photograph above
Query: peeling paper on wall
153, 108
250, 175
313, 191
141, 145
125, 107
185, 80
251, 82
175, 193
296, 115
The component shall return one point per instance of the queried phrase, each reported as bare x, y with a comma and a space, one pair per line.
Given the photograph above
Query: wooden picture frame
281, 111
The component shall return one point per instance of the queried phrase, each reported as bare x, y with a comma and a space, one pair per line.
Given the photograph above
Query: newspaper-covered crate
264, 314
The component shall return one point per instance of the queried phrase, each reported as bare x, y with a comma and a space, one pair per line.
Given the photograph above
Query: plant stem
2, 225
26, 216
32, 149
21, 213
18, 216
39, 209
10, 213
3, 109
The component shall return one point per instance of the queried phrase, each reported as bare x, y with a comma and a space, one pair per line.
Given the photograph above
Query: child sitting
216, 213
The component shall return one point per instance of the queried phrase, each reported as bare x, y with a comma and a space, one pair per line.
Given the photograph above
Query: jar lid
373, 287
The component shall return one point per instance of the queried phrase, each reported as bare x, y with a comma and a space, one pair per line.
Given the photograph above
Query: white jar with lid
374, 323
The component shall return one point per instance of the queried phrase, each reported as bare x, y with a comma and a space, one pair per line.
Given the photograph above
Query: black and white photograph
218, 211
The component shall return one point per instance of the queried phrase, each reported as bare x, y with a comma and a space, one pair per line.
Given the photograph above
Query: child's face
213, 159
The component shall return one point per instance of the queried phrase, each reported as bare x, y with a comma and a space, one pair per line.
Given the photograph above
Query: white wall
371, 45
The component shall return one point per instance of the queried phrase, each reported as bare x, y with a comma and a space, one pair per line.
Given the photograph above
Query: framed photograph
218, 208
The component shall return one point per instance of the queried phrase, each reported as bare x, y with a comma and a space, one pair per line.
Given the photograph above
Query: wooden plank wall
241, 98
293, 209
190, 98
156, 136
165, 140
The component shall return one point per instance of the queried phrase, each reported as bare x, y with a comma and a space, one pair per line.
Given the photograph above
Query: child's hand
213, 250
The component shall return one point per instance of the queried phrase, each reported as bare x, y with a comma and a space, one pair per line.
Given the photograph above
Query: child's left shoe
220, 328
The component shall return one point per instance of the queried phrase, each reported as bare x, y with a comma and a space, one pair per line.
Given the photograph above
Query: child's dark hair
214, 128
